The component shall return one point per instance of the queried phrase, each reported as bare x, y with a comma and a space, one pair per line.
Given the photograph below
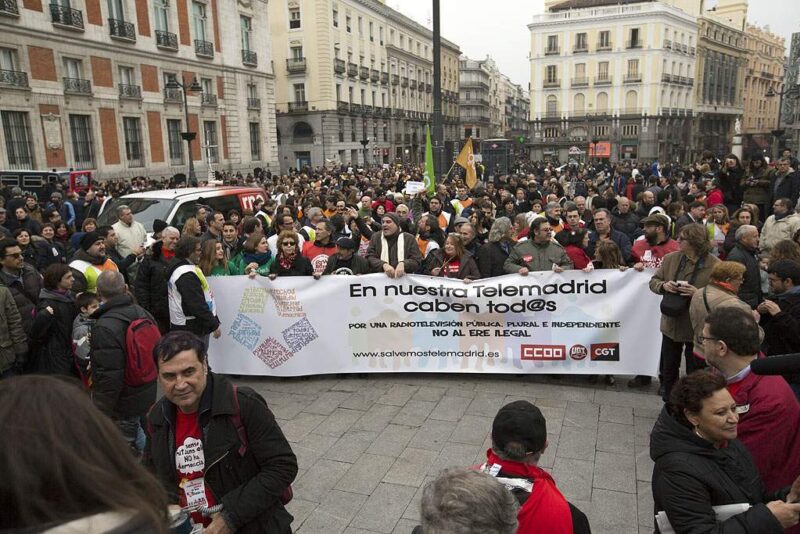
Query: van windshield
145, 210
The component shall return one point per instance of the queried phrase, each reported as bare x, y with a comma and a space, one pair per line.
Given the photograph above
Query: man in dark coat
150, 287
746, 252
22, 279
345, 260
624, 220
383, 253
785, 184
213, 444
124, 404
604, 230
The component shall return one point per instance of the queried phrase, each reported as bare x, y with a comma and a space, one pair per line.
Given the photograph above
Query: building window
580, 71
633, 68
552, 43
634, 43
210, 135
296, 52
550, 132
252, 91
208, 86
8, 59
294, 18
352, 129
341, 130
175, 142
348, 24
581, 42
604, 40
371, 33
247, 32
335, 16
161, 15
630, 130
17, 131
255, 141
551, 74
80, 129
73, 68
360, 26
299, 92
199, 19
116, 9
601, 131
126, 76
602, 70
134, 149
380, 35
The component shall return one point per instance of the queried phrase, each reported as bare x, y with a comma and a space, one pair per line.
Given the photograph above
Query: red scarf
286, 261
167, 254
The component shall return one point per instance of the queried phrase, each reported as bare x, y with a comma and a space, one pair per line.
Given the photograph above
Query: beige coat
717, 298
774, 231
680, 328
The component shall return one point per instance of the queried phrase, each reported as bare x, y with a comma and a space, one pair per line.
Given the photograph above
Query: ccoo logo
543, 353
605, 352
578, 352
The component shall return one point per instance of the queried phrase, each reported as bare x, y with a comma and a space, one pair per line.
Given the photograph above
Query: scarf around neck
401, 249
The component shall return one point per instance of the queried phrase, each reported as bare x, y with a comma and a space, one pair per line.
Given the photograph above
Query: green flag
429, 176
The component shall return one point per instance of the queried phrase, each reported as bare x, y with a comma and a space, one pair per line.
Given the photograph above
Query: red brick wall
101, 72
33, 5
220, 87
195, 127
108, 136
156, 137
94, 15
55, 157
142, 20
223, 125
183, 22
215, 21
150, 78
43, 65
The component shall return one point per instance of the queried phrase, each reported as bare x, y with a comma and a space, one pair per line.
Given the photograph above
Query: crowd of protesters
719, 241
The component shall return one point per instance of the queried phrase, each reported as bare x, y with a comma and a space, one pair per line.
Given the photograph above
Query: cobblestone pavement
367, 446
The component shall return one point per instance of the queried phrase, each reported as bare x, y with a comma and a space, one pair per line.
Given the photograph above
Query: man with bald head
625, 220
150, 287
647, 203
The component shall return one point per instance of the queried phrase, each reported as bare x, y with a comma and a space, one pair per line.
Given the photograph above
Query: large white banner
604, 322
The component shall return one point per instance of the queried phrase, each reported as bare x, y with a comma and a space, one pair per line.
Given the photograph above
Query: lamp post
778, 131
187, 136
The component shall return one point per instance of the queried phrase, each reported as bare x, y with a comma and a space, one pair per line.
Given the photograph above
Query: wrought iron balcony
13, 78
130, 91
253, 103
166, 40
67, 17
377, 111
77, 86
203, 48
355, 108
338, 66
421, 85
428, 88
298, 107
296, 65
395, 79
363, 73
249, 58
552, 83
387, 112
374, 75
580, 81
603, 80
384, 78
399, 113
404, 81
603, 46
352, 70
632, 78
633, 44
207, 99
342, 106
692, 51
580, 48
122, 30
367, 110
9, 8
552, 51
172, 95
667, 44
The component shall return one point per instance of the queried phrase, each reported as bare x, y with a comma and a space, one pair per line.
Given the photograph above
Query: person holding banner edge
393, 251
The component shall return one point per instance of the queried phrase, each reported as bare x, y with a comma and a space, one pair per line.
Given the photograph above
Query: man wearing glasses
22, 279
539, 253
283, 222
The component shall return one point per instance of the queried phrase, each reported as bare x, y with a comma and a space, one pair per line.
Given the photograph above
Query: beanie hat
393, 216
521, 422
89, 239
158, 226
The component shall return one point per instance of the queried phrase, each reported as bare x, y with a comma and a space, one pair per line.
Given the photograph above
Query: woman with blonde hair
453, 261
192, 227
718, 225
212, 259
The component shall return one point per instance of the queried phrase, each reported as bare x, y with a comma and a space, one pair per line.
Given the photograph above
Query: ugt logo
543, 353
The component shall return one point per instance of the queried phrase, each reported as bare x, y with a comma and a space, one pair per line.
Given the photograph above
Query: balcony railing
384, 78
366, 110
77, 86
207, 99
298, 107
249, 58
253, 103
552, 83
395, 79
355, 108
428, 87
338, 66
166, 40
632, 78
374, 75
404, 81
603, 80
363, 73
296, 65
580, 49
203, 48
352, 70
172, 95
667, 44
9, 8
13, 78
692, 51
67, 17
767, 75
421, 85
580, 81
342, 106
121, 29
633, 44
130, 91
603, 46
552, 114
552, 51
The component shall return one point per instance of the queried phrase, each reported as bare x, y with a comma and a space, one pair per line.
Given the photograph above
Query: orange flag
467, 160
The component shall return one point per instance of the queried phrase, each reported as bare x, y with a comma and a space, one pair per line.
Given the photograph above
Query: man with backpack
215, 447
121, 354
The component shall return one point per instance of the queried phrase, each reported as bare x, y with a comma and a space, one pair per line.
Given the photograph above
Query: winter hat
521, 422
460, 220
658, 219
346, 243
158, 226
393, 216
90, 239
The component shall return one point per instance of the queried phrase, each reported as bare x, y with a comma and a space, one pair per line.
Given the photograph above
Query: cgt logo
605, 352
543, 353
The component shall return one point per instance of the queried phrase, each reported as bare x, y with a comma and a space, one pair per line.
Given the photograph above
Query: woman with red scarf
453, 261
289, 261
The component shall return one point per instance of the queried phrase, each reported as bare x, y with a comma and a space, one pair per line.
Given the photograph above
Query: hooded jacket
51, 334
691, 476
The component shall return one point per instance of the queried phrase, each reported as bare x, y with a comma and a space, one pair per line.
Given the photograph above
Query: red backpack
141, 337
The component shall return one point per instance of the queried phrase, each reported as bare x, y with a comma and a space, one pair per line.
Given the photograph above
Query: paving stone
613, 437
616, 414
398, 395
578, 443
319, 479
449, 409
334, 513
365, 474
414, 413
411, 467
351, 446
384, 507
338, 422
429, 393
327, 402
311, 448
650, 413
644, 465
644, 503
631, 400
574, 478
377, 417
562, 392
457, 455
405, 526
641, 431
300, 426
364, 399
432, 435
613, 512
461, 391
548, 459
392, 440
615, 472
486, 404
472, 429
412, 510
300, 510
581, 414
553, 415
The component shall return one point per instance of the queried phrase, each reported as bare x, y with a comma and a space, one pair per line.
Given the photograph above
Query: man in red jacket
769, 413
322, 248
519, 438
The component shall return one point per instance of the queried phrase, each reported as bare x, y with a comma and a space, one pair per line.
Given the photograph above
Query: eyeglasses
702, 339
14, 255
288, 244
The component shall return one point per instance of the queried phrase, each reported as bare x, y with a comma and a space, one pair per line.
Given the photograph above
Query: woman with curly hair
212, 259
289, 261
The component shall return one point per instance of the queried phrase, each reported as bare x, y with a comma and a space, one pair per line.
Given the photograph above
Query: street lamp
778, 131
187, 136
